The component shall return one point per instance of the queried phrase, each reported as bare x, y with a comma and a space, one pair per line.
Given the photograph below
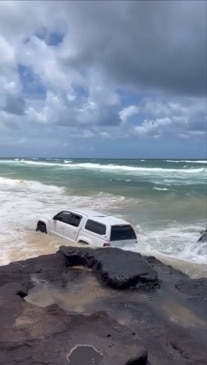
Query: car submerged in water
89, 227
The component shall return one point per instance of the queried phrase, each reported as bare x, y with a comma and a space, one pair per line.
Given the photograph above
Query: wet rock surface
89, 353
195, 289
48, 336
107, 325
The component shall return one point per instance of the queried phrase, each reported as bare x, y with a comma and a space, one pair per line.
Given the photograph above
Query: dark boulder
203, 237
117, 268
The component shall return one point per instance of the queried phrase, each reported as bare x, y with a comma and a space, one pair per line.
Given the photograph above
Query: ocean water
165, 200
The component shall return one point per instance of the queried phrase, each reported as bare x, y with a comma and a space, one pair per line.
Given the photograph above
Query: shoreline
192, 269
46, 245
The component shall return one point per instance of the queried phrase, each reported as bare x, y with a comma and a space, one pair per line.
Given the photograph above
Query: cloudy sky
103, 79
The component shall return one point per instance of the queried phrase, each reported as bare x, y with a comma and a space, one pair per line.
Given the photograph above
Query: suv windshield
122, 232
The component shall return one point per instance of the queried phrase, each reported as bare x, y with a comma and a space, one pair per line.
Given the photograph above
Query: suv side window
63, 217
122, 232
74, 220
69, 218
95, 227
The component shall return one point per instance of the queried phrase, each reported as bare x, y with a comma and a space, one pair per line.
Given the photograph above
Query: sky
119, 79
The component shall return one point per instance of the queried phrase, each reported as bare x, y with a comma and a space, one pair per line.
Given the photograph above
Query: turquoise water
165, 200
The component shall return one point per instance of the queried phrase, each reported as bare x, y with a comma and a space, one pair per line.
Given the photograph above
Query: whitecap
135, 170
188, 161
162, 189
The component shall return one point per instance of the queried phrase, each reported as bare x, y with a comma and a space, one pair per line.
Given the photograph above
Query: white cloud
105, 134
127, 112
88, 134
153, 127
7, 53
186, 116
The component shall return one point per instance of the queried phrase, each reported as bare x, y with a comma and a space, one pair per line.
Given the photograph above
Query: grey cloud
14, 104
72, 117
109, 117
176, 116
10, 124
149, 46
160, 44
198, 122
142, 44
83, 111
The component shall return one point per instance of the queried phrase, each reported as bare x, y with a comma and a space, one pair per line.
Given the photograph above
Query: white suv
89, 227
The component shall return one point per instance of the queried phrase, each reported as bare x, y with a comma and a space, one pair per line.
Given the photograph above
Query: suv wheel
41, 227
83, 242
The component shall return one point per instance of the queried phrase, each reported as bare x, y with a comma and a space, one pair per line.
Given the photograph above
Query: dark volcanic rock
162, 268
112, 326
117, 268
31, 335
46, 267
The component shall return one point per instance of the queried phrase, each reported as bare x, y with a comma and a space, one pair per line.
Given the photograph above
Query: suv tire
41, 227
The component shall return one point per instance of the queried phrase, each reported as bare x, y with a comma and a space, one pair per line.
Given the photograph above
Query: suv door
72, 226
67, 225
59, 223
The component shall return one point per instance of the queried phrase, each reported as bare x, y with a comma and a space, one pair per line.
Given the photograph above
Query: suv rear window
95, 227
122, 232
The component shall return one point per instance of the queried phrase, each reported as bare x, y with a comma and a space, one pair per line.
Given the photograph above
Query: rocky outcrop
117, 268
120, 327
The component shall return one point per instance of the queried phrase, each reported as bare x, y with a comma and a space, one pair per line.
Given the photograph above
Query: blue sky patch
81, 91
50, 38
31, 83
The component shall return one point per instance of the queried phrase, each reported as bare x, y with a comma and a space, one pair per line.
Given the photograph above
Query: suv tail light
106, 244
